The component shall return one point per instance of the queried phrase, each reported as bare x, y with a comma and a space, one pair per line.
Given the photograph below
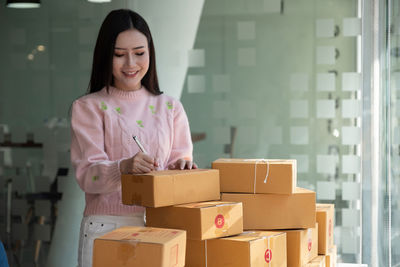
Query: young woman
124, 100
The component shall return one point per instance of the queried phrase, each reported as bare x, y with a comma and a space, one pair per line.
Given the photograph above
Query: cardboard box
170, 187
331, 257
318, 261
257, 176
273, 211
202, 220
196, 253
325, 219
302, 246
249, 249
140, 246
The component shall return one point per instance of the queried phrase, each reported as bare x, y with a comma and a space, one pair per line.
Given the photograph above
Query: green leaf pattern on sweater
103, 106
140, 123
153, 111
169, 105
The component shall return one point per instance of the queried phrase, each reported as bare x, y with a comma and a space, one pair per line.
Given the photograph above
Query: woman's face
131, 60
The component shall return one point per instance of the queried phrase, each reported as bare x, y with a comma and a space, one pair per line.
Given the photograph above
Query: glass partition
282, 79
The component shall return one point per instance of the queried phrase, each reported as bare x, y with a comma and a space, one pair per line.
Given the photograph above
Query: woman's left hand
181, 164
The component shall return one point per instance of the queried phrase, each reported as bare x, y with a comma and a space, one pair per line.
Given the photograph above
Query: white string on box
255, 171
268, 247
205, 249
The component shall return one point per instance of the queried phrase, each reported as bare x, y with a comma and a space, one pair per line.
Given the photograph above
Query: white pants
98, 225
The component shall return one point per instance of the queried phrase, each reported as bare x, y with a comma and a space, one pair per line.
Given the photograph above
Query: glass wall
282, 79
392, 69
303, 79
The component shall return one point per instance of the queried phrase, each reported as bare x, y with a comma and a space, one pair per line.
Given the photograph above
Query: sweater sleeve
94, 171
182, 146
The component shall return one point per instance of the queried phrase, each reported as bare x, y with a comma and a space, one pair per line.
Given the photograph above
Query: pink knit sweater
102, 126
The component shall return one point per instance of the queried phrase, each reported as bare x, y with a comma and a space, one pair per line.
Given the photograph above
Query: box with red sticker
249, 249
140, 246
325, 219
202, 220
302, 246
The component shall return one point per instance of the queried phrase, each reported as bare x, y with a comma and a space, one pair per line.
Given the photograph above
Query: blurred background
314, 80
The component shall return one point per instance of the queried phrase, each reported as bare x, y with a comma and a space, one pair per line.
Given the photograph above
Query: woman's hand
181, 164
140, 163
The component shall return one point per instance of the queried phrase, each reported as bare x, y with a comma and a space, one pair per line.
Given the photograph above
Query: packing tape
255, 171
127, 255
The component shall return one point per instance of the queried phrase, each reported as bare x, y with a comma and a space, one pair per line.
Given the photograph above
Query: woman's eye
118, 55
140, 54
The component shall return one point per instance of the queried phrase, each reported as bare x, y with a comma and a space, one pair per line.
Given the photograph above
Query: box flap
252, 161
207, 204
253, 235
321, 206
142, 234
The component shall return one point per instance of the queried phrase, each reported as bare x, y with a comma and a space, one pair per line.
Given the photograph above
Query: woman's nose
131, 60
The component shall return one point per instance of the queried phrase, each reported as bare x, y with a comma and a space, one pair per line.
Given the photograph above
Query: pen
139, 144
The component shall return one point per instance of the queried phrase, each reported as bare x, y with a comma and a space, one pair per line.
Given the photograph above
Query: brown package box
249, 249
274, 211
140, 246
238, 175
302, 246
317, 262
202, 220
171, 187
331, 257
325, 219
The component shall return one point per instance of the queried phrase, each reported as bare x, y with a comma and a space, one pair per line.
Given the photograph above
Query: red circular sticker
330, 227
268, 255
309, 244
135, 234
219, 221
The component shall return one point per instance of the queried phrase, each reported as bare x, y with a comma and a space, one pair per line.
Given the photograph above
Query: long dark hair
116, 22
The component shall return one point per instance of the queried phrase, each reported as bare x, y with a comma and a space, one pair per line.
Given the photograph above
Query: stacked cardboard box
318, 261
212, 226
140, 246
148, 246
257, 195
180, 200
203, 221
326, 221
249, 249
331, 257
302, 245
271, 201
170, 187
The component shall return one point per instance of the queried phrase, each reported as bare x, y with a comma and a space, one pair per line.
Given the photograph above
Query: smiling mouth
130, 74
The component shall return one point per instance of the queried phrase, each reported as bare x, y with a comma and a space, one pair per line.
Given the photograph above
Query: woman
124, 100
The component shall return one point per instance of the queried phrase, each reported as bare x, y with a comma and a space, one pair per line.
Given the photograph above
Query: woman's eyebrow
138, 47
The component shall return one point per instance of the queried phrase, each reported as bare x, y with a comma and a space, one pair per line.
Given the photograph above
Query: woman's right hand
140, 163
